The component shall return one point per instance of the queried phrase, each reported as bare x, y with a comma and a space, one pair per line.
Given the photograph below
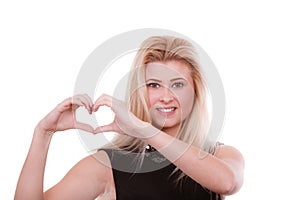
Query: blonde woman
161, 150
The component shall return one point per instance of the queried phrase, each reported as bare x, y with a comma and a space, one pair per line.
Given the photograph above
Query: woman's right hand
63, 116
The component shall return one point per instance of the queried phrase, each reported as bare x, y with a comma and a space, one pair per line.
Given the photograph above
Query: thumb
105, 128
85, 127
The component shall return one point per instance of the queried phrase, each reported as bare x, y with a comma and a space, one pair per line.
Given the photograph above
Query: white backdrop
254, 45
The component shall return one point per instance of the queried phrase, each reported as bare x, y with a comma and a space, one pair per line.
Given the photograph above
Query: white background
255, 46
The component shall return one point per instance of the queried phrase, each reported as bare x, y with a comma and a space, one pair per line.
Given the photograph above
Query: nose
166, 95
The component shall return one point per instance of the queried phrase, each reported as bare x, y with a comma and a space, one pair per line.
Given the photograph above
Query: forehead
168, 70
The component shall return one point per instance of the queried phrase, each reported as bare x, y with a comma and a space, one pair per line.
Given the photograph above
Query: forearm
30, 184
207, 170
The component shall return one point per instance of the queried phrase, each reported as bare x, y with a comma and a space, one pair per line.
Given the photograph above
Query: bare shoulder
109, 187
227, 151
102, 168
89, 178
230, 153
234, 159
98, 165
102, 158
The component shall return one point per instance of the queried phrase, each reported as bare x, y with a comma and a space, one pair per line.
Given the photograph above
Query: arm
30, 184
221, 173
86, 180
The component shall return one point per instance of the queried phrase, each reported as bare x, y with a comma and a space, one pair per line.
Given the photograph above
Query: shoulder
230, 154
101, 162
90, 177
226, 150
98, 165
97, 162
234, 159
95, 166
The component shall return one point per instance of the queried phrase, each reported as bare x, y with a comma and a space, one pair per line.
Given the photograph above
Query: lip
166, 111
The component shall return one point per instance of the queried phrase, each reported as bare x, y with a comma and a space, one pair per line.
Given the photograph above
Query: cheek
186, 101
152, 97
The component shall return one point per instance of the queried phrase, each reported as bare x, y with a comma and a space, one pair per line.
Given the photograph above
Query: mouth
167, 110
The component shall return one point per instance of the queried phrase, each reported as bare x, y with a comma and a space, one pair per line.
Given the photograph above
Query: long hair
194, 128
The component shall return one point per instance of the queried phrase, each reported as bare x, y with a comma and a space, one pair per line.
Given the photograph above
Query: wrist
41, 140
41, 132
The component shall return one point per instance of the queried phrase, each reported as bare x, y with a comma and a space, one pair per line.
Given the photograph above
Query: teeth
166, 110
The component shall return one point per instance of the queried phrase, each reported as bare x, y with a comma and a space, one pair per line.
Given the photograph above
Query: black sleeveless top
152, 179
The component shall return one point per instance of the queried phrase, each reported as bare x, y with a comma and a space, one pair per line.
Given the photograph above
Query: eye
177, 85
153, 85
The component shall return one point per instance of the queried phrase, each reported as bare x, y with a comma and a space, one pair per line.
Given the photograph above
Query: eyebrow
153, 79
173, 79
179, 78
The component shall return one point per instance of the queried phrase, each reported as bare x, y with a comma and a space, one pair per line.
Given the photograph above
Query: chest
152, 179
158, 185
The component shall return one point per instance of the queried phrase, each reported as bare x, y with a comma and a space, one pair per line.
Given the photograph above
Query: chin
166, 125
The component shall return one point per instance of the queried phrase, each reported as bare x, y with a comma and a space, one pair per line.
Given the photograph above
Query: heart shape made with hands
116, 119
124, 121
103, 116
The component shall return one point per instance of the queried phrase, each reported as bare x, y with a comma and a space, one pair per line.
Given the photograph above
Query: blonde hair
194, 128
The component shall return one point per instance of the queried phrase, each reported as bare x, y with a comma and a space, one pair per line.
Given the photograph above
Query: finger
85, 127
88, 99
103, 100
89, 102
105, 128
81, 101
64, 105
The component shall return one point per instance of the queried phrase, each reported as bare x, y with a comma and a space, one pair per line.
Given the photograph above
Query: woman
161, 151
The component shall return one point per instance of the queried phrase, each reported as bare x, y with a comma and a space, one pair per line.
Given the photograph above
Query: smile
166, 110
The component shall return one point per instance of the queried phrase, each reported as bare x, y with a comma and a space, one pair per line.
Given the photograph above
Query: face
170, 94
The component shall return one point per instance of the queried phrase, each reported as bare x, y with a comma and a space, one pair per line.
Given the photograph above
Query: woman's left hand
125, 122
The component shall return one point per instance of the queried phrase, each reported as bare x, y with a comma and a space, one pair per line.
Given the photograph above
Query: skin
226, 165
169, 85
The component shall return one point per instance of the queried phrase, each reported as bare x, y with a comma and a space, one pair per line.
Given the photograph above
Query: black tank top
153, 179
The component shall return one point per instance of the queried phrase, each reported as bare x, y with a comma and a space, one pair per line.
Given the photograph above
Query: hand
63, 116
125, 122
